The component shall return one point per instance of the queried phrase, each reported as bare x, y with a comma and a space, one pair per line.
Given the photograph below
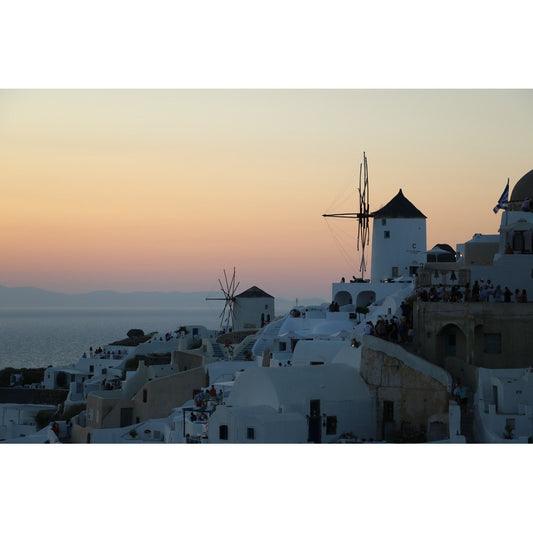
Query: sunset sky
163, 189
140, 190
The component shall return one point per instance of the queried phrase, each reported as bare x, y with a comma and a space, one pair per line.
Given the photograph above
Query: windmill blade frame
363, 216
227, 315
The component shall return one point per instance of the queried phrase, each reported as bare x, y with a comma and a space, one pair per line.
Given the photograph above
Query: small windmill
363, 216
228, 289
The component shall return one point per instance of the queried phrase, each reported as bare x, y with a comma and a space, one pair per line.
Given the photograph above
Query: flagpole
508, 205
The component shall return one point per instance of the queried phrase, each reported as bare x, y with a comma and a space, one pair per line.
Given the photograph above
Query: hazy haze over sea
42, 328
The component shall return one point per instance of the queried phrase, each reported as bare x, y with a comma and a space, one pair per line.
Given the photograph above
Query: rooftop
398, 207
254, 292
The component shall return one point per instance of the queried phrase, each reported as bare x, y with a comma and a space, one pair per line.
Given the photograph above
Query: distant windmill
363, 216
228, 289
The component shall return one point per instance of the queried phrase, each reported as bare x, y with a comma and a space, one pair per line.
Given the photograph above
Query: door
315, 427
450, 348
126, 416
389, 426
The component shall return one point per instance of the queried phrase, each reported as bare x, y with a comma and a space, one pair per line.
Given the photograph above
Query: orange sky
163, 189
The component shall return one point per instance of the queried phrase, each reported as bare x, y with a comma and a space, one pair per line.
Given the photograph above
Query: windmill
228, 289
363, 216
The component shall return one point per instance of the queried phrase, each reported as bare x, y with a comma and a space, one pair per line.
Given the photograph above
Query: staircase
266, 341
217, 350
245, 347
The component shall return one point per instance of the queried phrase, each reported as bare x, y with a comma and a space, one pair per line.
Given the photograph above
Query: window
331, 425
492, 342
266, 306
383, 221
145, 395
250, 433
395, 272
282, 346
223, 432
386, 234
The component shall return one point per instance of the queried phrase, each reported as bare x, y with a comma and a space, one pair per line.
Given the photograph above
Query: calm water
41, 337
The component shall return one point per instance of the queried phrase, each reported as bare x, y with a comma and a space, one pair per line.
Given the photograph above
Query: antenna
228, 289
363, 216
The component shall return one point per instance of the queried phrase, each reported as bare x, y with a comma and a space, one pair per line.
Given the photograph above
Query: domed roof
523, 189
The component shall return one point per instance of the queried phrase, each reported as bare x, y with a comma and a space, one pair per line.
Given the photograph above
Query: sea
39, 337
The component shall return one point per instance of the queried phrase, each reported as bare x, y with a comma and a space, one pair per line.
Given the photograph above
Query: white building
505, 258
253, 309
504, 405
398, 251
399, 231
18, 420
295, 405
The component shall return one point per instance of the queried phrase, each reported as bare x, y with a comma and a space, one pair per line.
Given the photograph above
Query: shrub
131, 364
43, 418
132, 333
196, 343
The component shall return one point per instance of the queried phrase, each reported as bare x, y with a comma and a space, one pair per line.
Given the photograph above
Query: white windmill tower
399, 232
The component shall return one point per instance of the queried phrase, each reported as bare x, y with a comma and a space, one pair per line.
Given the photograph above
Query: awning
438, 251
520, 225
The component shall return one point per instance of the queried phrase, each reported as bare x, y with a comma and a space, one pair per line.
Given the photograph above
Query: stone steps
467, 422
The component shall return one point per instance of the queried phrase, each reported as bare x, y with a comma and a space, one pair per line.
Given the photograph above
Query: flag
503, 202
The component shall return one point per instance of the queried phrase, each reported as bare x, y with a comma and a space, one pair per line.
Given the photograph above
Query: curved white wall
406, 236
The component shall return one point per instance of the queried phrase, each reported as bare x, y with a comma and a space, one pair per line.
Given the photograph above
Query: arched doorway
343, 298
365, 299
451, 342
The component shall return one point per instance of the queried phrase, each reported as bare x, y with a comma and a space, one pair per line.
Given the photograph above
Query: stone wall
186, 360
408, 390
489, 335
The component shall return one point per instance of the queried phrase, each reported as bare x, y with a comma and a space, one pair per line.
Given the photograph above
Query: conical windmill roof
398, 207
254, 292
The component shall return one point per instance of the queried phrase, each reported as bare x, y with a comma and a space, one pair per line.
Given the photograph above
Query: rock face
133, 333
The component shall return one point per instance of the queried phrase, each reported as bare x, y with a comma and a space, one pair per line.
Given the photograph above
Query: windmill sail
363, 216
228, 290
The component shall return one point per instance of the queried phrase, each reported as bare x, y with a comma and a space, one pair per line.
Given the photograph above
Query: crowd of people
103, 354
396, 329
204, 396
480, 291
